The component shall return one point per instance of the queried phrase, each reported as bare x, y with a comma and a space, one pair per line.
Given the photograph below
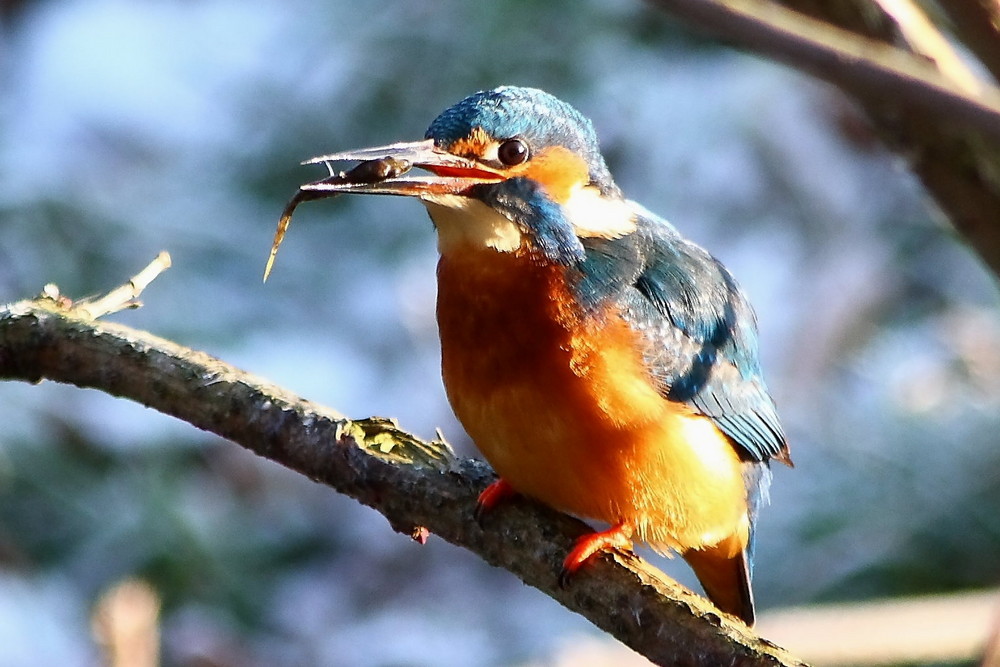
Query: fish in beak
383, 170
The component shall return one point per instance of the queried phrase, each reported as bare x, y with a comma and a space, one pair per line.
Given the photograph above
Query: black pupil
512, 151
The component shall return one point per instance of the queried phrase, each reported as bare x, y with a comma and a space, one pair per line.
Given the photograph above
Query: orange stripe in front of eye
472, 146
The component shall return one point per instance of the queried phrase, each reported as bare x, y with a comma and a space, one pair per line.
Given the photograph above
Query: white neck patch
593, 215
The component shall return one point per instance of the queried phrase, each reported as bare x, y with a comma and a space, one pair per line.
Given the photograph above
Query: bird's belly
563, 408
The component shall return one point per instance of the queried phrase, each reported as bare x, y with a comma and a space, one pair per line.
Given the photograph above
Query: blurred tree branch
419, 486
949, 136
977, 22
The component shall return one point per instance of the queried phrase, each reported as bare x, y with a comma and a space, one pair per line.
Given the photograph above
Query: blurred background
127, 128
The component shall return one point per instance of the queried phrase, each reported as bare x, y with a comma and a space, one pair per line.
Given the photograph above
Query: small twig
123, 297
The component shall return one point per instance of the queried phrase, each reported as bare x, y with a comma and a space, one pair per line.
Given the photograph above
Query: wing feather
699, 331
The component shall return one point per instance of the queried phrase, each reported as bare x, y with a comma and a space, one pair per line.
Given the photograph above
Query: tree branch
418, 486
923, 37
977, 24
949, 138
862, 67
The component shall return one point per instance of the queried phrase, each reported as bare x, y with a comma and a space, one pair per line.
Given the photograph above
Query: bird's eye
512, 152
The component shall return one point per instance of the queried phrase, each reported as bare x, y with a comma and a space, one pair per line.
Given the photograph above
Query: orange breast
564, 409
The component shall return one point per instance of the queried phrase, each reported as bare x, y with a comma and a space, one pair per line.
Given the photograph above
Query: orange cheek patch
558, 170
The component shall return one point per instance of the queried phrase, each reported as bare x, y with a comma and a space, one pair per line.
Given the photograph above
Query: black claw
565, 575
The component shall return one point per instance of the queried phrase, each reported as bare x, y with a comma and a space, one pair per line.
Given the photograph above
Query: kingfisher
602, 363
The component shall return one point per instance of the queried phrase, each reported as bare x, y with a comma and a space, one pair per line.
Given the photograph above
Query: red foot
493, 495
616, 537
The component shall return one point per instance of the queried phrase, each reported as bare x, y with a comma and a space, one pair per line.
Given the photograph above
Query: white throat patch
463, 222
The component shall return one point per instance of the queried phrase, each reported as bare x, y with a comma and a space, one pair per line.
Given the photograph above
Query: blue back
698, 329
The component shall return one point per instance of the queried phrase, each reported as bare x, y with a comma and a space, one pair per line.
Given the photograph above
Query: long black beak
382, 171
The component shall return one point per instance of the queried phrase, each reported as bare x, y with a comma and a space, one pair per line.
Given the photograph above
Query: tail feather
725, 576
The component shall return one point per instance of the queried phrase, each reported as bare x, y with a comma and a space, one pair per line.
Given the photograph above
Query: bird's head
511, 170
525, 133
